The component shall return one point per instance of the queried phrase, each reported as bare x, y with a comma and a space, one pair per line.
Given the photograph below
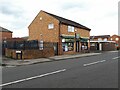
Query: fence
28, 45
21, 45
30, 49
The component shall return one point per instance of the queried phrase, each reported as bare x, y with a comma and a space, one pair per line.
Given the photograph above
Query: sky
101, 16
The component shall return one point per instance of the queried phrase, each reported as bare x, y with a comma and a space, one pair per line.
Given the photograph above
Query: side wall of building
5, 35
38, 29
117, 41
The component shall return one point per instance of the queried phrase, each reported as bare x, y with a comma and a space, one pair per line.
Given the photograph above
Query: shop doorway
97, 46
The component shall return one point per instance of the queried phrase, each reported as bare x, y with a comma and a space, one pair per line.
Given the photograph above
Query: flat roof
102, 41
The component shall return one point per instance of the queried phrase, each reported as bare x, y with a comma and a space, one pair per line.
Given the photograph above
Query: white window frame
71, 29
99, 39
50, 26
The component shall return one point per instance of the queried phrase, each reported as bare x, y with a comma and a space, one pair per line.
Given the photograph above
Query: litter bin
18, 54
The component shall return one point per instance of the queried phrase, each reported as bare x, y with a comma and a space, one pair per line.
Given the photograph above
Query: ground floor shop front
72, 45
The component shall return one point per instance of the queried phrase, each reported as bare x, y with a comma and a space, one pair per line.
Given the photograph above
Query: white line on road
116, 57
113, 51
30, 78
93, 63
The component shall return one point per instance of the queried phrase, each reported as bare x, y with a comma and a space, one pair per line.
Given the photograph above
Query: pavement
11, 62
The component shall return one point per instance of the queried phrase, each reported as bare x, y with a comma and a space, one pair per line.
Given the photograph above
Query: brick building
101, 43
71, 37
5, 33
116, 38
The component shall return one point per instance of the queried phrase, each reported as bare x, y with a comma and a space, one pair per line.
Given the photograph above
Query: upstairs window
50, 26
99, 39
105, 39
71, 29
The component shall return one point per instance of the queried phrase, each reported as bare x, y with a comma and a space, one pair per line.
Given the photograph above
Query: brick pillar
74, 46
79, 46
88, 45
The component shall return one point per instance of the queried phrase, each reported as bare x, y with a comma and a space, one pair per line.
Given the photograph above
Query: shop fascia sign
67, 40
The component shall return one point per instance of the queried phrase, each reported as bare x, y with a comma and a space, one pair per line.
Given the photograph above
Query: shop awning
84, 39
72, 37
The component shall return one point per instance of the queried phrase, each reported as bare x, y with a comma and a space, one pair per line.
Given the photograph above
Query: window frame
50, 26
71, 28
68, 46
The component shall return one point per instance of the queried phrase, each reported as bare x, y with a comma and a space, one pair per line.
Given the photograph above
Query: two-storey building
70, 36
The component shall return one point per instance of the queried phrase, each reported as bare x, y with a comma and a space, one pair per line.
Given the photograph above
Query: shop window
92, 44
84, 46
69, 46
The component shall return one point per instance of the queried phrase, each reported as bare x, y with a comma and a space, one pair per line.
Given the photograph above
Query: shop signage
18, 51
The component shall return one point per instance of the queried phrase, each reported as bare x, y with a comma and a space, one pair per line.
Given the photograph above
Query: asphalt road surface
100, 71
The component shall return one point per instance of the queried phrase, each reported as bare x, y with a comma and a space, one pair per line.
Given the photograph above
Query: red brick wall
30, 54
114, 39
5, 35
82, 32
38, 27
108, 46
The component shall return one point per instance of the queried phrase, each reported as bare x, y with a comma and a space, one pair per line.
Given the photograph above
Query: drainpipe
59, 43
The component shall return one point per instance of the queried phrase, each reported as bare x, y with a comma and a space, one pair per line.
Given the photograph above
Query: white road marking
30, 78
93, 63
116, 57
113, 51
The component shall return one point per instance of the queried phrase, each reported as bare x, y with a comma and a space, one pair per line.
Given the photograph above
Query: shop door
97, 46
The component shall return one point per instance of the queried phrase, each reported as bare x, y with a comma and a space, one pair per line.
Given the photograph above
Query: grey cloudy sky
99, 15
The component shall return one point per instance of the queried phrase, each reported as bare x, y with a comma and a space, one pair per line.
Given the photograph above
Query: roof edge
5, 29
53, 15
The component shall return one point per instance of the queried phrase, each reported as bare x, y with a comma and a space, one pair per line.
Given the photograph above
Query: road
100, 71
